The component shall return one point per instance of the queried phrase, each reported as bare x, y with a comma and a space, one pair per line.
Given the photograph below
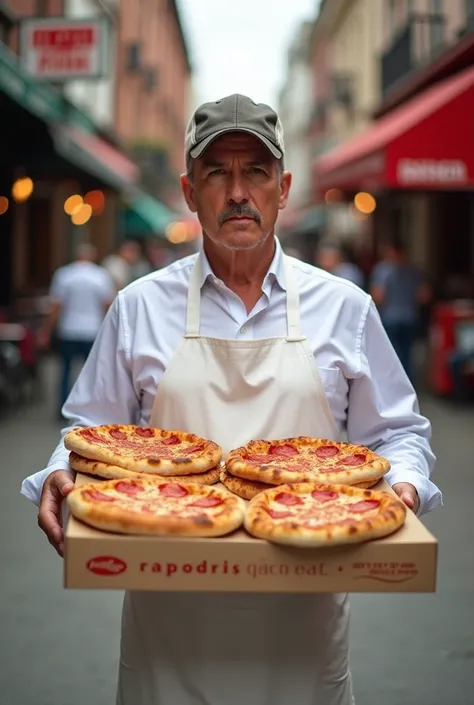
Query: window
436, 25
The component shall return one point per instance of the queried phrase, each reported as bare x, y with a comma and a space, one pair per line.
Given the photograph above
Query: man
80, 295
399, 291
247, 343
331, 258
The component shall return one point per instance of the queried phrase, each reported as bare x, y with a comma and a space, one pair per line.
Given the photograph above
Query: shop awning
95, 156
145, 216
426, 143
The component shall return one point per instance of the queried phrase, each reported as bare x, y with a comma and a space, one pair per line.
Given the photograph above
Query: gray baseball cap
235, 113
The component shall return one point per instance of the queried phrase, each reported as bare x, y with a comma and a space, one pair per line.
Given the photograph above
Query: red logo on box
106, 565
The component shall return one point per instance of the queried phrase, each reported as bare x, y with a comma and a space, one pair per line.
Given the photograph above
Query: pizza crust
281, 470
247, 489
138, 452
96, 468
127, 517
294, 530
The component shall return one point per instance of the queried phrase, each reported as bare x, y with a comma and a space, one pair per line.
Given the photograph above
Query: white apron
238, 649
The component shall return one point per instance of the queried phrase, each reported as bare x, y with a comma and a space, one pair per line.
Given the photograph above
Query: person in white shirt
237, 342
80, 295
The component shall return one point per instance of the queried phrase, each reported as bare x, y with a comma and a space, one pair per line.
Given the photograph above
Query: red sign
60, 49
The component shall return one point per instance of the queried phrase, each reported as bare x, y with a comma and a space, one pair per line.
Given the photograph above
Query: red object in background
425, 143
446, 316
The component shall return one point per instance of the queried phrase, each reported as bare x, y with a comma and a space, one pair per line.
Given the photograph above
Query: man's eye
256, 170
216, 172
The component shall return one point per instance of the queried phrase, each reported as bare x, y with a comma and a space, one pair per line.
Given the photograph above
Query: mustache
242, 211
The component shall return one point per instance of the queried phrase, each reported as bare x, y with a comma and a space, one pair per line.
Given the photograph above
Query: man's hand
407, 494
56, 487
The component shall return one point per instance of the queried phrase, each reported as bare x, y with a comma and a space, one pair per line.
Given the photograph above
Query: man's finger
408, 499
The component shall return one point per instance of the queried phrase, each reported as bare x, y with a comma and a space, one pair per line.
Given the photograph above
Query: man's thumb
408, 499
66, 487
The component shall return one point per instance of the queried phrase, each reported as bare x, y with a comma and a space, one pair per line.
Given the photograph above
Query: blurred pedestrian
80, 295
399, 290
122, 265
333, 259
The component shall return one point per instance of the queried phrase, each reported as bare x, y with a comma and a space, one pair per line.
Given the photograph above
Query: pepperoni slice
275, 514
364, 506
285, 451
117, 434
326, 451
323, 495
145, 432
97, 496
171, 441
129, 488
91, 435
207, 502
354, 460
289, 500
194, 449
174, 490
258, 459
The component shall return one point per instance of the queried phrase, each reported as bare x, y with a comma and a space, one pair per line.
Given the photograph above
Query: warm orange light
177, 232
333, 195
73, 204
96, 200
83, 215
22, 189
4, 203
365, 202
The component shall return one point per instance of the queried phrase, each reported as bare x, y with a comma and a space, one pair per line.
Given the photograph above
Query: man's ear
285, 185
188, 192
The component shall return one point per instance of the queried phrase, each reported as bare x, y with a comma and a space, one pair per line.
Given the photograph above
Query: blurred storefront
416, 160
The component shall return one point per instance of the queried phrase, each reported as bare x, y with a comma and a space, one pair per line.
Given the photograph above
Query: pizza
96, 468
145, 449
243, 488
312, 514
157, 507
303, 458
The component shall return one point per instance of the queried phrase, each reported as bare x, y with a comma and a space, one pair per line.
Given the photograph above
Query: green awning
146, 216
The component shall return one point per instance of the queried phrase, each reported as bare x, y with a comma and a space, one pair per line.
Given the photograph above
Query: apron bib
237, 648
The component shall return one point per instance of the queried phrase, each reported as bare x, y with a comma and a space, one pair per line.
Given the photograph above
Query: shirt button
243, 330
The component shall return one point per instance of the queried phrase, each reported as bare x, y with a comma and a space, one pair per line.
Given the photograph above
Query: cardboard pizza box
403, 562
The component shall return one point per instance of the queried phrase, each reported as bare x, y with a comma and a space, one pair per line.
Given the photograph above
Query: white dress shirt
368, 392
84, 290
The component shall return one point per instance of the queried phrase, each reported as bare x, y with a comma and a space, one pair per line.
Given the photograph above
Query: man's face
236, 189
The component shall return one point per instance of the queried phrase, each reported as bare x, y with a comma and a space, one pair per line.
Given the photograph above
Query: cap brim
196, 151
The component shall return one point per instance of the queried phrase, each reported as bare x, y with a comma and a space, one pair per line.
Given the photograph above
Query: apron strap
193, 312
292, 303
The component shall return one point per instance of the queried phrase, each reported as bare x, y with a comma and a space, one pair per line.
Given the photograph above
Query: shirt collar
275, 272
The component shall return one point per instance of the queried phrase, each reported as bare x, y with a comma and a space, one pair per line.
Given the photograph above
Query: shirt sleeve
384, 414
102, 394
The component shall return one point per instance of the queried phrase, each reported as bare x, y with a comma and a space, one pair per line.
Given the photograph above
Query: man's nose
237, 191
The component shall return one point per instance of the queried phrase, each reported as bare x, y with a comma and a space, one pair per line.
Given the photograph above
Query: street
61, 647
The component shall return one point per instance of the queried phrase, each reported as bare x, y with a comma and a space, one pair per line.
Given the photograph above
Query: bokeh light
365, 202
177, 232
73, 204
82, 215
96, 200
22, 189
333, 195
4, 203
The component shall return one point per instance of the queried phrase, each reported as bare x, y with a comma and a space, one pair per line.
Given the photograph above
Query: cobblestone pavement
60, 647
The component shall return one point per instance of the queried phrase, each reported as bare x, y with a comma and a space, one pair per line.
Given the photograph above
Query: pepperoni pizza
96, 468
159, 508
145, 449
311, 514
301, 459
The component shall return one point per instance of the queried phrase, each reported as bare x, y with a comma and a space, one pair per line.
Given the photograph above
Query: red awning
426, 143
96, 156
